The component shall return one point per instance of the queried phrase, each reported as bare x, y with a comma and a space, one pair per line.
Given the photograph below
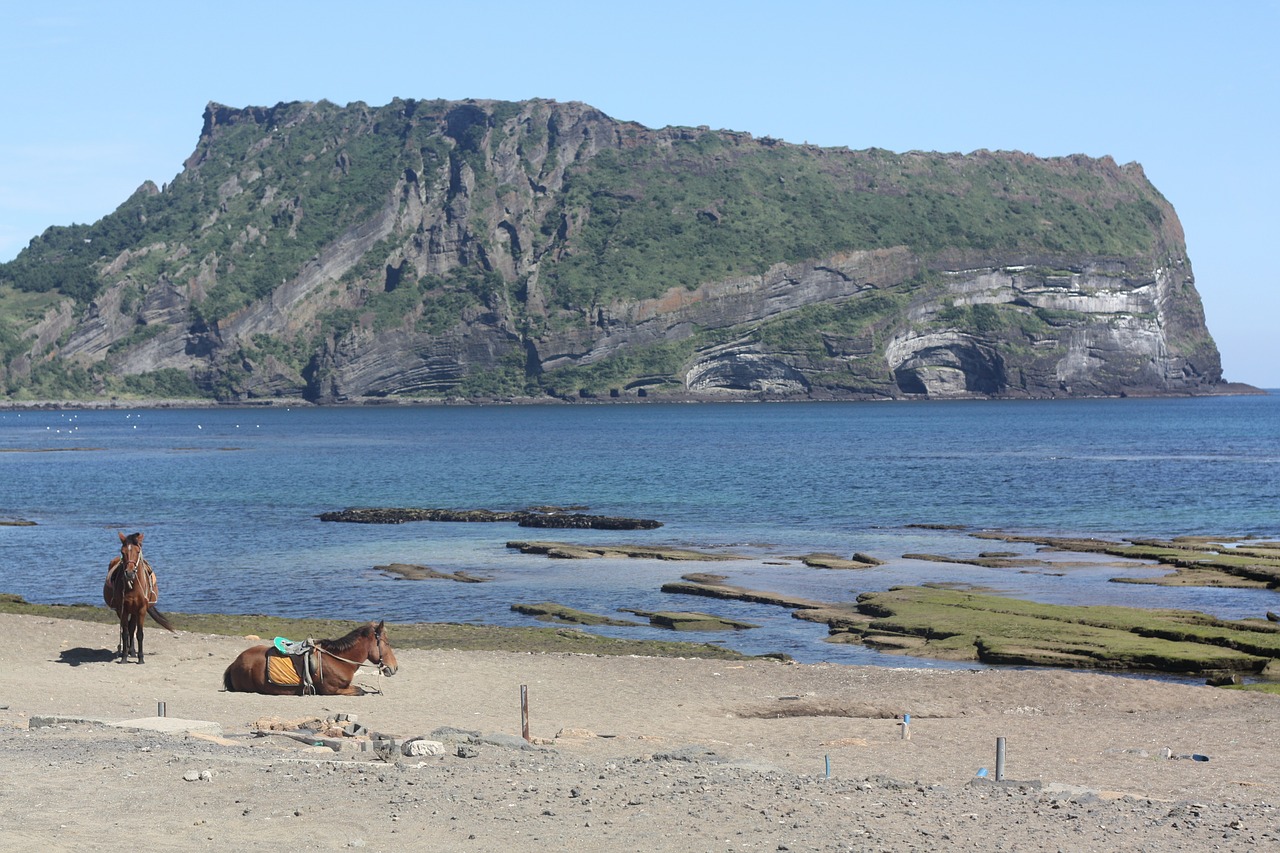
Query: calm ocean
228, 500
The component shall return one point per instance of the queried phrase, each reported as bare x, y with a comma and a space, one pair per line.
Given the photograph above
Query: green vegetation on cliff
707, 208
499, 243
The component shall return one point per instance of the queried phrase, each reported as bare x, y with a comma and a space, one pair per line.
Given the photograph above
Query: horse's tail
226, 681
161, 619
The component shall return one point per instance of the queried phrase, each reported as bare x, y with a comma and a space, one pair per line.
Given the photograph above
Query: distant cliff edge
484, 250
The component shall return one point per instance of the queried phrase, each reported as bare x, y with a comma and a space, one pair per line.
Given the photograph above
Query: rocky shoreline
965, 624
1221, 389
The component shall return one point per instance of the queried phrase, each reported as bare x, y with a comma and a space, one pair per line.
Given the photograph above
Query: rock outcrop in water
487, 249
557, 519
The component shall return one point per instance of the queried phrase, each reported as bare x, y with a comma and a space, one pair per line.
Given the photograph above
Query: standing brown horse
326, 667
131, 591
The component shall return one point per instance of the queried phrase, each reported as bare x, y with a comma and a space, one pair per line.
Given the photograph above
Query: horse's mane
343, 643
134, 539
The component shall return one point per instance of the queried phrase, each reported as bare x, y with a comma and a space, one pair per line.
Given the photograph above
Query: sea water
229, 500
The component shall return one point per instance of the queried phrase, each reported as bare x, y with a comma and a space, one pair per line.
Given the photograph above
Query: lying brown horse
131, 591
325, 667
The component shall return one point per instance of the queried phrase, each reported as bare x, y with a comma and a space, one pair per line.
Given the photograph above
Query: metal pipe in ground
524, 711
999, 759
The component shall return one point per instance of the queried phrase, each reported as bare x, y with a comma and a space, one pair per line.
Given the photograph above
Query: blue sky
99, 97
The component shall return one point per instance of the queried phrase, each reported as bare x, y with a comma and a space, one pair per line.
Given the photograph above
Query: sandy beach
626, 753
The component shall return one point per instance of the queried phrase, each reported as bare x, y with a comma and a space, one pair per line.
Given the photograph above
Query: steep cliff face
487, 249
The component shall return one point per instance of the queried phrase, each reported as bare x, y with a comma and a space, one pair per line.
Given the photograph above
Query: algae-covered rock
690, 621
411, 571
998, 630
549, 611
566, 550
1219, 561
831, 561
714, 589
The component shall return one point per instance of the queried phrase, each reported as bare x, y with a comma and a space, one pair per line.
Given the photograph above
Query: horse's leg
124, 638
349, 690
337, 680
133, 635
139, 629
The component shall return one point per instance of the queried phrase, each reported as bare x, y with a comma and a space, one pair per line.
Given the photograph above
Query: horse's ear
139, 535
380, 628
120, 533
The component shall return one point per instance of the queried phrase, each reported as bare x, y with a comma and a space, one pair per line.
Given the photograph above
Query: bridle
382, 667
131, 567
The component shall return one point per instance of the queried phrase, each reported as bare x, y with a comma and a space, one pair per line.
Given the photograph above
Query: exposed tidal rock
574, 520
987, 562
690, 620
696, 585
1233, 679
523, 518
549, 611
1199, 560
409, 571
831, 561
636, 552
993, 629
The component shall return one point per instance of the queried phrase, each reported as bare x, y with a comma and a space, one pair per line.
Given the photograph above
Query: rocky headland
484, 250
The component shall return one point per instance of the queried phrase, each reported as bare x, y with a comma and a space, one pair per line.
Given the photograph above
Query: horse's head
381, 654
130, 557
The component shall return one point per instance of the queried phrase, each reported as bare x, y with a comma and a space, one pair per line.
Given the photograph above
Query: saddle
293, 664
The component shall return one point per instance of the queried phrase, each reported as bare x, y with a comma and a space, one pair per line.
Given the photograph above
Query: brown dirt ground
630, 753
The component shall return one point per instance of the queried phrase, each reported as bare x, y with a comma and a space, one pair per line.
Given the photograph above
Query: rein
325, 651
379, 664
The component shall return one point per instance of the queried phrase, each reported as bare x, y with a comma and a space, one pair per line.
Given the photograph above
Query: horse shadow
77, 656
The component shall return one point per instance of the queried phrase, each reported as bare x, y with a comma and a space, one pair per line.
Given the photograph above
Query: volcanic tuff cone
484, 249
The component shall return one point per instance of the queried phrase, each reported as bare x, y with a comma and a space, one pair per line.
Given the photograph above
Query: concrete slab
170, 725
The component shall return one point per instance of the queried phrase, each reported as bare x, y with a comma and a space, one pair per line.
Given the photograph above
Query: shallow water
228, 500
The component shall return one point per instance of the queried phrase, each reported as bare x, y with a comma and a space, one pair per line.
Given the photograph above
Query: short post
159, 709
999, 759
524, 711
828, 766
906, 727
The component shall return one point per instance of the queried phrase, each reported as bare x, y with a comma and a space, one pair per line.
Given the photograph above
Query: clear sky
99, 97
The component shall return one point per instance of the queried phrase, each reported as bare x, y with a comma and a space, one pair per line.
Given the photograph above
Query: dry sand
646, 754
